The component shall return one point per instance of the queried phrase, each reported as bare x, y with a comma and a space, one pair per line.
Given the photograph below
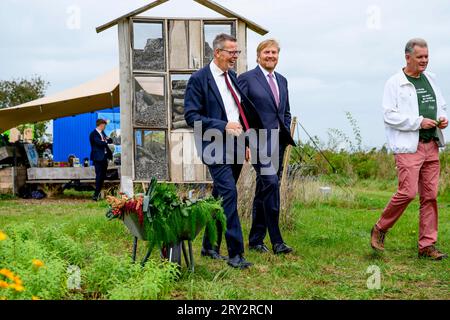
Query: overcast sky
336, 55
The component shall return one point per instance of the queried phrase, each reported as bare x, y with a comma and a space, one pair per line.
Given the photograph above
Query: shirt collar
99, 131
266, 73
216, 71
403, 79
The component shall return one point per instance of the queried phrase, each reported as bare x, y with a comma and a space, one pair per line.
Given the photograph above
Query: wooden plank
287, 157
188, 158
230, 14
178, 44
195, 44
6, 185
61, 173
126, 105
241, 33
129, 15
6, 172
176, 157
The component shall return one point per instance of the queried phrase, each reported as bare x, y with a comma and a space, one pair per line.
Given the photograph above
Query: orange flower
7, 273
38, 263
17, 287
4, 284
17, 280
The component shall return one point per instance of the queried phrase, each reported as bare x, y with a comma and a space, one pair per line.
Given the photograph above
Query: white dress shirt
266, 75
230, 104
103, 138
101, 134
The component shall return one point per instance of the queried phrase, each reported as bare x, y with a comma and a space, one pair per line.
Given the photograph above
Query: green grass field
330, 237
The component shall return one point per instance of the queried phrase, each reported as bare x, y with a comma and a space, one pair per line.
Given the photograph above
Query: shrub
37, 261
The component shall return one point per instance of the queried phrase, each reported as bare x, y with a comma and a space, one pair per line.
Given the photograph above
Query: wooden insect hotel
157, 57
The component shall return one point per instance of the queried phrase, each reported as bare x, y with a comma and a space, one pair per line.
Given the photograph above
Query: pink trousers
417, 172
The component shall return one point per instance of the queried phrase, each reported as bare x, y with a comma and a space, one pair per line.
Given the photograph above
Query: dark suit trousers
100, 175
266, 205
225, 177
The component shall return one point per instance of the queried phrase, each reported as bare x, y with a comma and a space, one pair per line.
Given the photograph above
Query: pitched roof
207, 3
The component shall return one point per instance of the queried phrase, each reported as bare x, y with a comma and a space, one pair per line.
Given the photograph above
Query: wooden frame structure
150, 125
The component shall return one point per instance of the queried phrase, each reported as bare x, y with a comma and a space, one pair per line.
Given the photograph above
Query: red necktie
238, 103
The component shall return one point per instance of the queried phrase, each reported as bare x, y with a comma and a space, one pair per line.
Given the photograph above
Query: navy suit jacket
98, 147
204, 103
255, 86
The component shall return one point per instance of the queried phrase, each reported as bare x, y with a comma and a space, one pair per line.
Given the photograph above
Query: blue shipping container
71, 134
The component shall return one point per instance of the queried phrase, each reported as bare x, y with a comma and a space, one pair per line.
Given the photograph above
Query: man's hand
248, 154
442, 123
234, 128
428, 123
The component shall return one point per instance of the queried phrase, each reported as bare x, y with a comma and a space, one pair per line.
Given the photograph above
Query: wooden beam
130, 14
126, 100
230, 14
287, 157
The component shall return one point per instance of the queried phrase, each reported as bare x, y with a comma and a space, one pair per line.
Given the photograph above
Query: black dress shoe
213, 255
281, 248
261, 248
239, 262
95, 198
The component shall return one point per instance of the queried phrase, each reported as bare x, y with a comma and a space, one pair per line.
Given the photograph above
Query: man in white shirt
214, 101
414, 115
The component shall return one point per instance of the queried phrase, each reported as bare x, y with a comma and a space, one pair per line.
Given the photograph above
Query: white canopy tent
93, 95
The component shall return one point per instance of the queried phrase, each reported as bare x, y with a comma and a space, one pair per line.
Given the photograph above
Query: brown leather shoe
377, 239
432, 252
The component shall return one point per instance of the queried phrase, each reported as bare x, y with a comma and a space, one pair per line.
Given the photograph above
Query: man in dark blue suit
100, 154
215, 102
268, 90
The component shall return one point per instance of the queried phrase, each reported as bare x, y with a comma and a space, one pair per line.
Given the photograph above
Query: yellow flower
4, 284
3, 236
35, 298
17, 287
2, 298
38, 263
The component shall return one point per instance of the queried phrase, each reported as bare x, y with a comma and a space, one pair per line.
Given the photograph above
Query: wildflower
4, 284
7, 273
35, 298
18, 288
3, 236
17, 280
38, 263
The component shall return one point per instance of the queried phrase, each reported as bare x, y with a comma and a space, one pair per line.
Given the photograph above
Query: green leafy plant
166, 218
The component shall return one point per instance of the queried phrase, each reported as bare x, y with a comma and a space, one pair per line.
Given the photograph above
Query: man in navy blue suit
268, 90
100, 154
215, 102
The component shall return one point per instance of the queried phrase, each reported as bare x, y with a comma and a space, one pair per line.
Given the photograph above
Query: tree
19, 91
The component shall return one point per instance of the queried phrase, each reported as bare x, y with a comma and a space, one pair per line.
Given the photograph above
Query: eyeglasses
233, 53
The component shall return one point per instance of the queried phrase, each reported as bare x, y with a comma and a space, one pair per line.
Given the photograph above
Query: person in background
100, 155
414, 115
